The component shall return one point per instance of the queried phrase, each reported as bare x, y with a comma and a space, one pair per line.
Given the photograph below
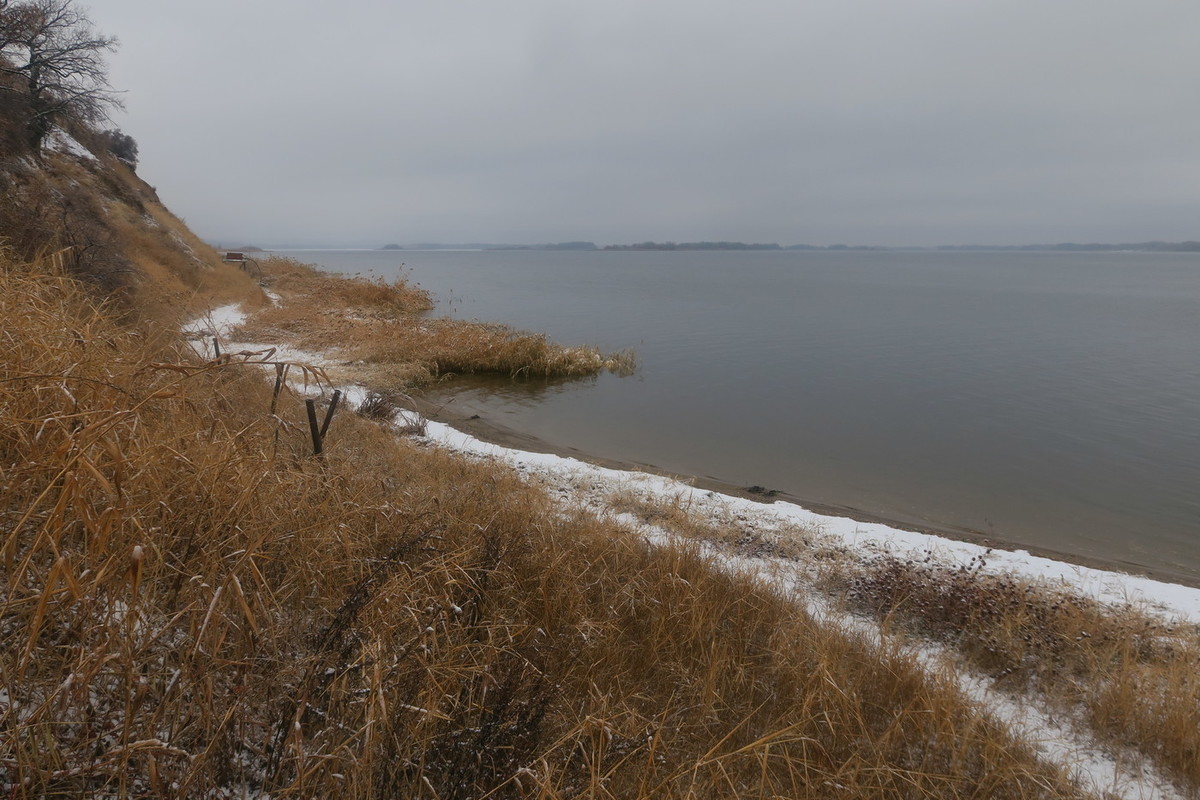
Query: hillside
197, 605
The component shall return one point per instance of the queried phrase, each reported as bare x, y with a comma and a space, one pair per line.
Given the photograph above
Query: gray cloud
869, 121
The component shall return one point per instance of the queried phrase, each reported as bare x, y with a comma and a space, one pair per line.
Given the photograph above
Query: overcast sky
364, 122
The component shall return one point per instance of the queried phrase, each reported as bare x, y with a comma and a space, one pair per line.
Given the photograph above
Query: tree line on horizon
649, 245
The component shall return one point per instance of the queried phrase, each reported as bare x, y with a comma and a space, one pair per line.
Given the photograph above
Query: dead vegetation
1136, 678
195, 606
728, 533
1129, 674
314, 290
372, 325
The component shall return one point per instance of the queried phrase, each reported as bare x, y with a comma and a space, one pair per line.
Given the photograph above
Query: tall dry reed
374, 326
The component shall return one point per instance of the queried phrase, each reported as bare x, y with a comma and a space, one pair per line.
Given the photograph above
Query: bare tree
55, 60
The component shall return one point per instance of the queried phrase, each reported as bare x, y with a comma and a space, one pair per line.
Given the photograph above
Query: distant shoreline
581, 246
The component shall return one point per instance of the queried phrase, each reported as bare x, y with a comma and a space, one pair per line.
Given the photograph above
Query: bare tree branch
56, 61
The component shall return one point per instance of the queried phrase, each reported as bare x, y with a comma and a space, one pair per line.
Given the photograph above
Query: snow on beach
593, 483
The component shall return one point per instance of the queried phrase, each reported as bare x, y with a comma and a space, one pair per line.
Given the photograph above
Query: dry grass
373, 325
1136, 678
174, 268
302, 284
194, 606
739, 537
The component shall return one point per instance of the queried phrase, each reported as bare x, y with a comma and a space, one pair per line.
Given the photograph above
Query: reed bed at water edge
375, 326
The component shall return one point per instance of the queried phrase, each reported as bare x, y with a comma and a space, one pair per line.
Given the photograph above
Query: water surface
1045, 399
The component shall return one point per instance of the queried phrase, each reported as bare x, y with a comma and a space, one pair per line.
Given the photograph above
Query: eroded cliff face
77, 198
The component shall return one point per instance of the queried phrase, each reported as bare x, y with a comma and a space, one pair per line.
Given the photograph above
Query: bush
121, 145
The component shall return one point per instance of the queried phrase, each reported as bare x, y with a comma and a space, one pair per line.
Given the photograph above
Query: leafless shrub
377, 406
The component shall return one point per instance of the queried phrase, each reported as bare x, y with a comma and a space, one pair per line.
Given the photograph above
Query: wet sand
438, 406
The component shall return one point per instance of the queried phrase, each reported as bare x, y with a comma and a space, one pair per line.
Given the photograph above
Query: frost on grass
947, 586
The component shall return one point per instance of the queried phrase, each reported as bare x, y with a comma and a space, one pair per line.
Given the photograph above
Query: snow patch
221, 322
63, 142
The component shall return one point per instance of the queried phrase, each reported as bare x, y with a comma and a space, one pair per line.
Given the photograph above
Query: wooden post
337, 395
216, 347
280, 371
313, 428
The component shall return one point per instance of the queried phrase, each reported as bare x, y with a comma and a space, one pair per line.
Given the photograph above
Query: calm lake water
1043, 399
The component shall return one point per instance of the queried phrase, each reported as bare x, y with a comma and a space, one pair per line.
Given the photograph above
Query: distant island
551, 246
734, 246
1159, 247
693, 246
456, 246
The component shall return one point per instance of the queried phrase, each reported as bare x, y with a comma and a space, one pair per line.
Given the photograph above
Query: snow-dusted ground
1059, 739
1056, 737
592, 485
221, 322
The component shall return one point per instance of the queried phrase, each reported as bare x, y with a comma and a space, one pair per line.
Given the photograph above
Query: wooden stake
337, 395
280, 370
313, 428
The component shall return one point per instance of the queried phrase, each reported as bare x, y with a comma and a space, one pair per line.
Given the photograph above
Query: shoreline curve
437, 407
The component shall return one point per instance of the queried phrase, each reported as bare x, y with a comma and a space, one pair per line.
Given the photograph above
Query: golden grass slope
195, 606
1129, 676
